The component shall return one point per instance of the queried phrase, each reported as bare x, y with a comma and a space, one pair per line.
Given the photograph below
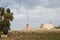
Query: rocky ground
33, 35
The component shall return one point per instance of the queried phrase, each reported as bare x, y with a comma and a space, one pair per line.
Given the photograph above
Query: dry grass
34, 35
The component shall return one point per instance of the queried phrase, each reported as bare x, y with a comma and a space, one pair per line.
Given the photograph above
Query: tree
57, 27
6, 16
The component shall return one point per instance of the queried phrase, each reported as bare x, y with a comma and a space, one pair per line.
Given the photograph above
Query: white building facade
47, 26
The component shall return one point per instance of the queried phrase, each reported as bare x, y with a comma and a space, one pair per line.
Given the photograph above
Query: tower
28, 22
28, 26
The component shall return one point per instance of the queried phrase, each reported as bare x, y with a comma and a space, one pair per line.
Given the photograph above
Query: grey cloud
33, 3
7, 3
30, 3
43, 3
53, 4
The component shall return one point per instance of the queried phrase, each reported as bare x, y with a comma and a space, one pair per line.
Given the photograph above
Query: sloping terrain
33, 35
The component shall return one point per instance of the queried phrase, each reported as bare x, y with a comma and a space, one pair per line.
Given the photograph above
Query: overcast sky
40, 12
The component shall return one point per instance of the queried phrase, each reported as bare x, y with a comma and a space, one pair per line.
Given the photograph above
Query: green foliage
1, 33
8, 10
5, 17
9, 16
57, 27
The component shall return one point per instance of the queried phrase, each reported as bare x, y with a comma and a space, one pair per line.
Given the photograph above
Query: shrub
1, 33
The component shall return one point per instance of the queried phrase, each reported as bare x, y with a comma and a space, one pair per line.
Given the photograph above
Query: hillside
34, 35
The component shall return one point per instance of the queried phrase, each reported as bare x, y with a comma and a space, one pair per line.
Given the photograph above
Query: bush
1, 33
